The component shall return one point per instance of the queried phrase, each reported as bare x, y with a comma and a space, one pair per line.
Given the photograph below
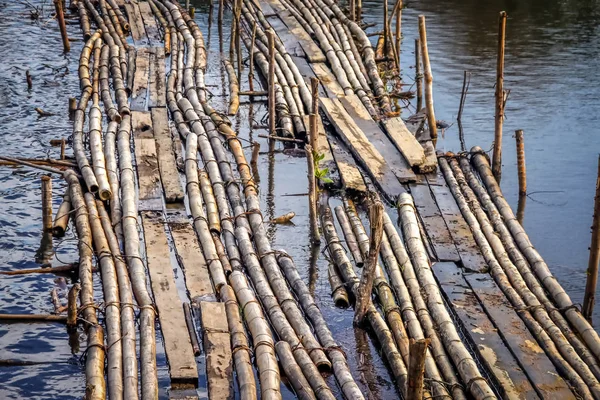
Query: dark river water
552, 64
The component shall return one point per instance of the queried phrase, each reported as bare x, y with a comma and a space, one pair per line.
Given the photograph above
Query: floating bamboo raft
446, 279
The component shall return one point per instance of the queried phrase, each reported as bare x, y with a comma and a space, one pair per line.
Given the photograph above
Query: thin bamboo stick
499, 96
592, 271
271, 81
312, 196
60, 16
33, 318
398, 32
418, 74
189, 322
431, 121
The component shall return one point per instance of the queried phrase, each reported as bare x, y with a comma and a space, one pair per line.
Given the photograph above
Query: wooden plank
150, 193
404, 141
217, 345
328, 80
531, 357
138, 32
490, 348
139, 91
304, 68
169, 175
310, 47
469, 252
149, 22
324, 150
157, 96
361, 117
178, 348
350, 175
192, 261
435, 226
363, 150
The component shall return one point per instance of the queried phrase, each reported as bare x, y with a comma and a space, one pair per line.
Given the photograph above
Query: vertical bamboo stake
187, 4
521, 163
72, 106
499, 117
431, 121
358, 10
238, 42
251, 70
60, 16
386, 29
72, 306
416, 368
192, 12
352, 7
418, 75
312, 195
592, 271
398, 32
313, 131
63, 144
314, 88
363, 292
47, 202
272, 126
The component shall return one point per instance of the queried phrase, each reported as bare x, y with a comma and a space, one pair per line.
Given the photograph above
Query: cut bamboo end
416, 368
338, 291
521, 162
62, 217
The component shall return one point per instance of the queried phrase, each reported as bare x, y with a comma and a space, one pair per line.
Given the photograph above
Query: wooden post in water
251, 69
398, 31
352, 7
521, 162
592, 271
365, 287
312, 195
238, 41
499, 116
60, 16
63, 145
358, 11
272, 125
418, 74
416, 368
47, 202
431, 121
72, 106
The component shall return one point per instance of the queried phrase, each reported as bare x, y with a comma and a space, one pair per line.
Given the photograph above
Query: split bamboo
499, 96
431, 121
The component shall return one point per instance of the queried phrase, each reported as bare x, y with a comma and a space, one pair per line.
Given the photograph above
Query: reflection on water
552, 63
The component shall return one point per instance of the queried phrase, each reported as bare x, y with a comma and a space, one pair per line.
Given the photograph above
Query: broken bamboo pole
428, 77
589, 298
499, 96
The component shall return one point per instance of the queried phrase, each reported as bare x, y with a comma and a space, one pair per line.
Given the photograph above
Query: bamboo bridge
166, 205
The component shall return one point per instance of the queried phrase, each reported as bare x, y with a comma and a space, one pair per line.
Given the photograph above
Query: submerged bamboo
60, 16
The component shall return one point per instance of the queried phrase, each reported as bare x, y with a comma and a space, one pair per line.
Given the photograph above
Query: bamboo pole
95, 342
366, 281
112, 171
398, 32
386, 28
352, 9
312, 195
467, 367
234, 88
293, 372
589, 298
538, 265
239, 345
72, 306
338, 290
189, 322
60, 16
431, 121
350, 237
521, 162
33, 318
418, 74
499, 95
416, 368
271, 80
47, 202
44, 270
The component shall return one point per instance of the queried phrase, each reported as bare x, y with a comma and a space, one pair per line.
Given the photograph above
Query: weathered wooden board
363, 150
324, 150
312, 49
150, 192
192, 261
216, 339
139, 92
136, 23
178, 348
350, 175
328, 80
157, 96
361, 117
435, 226
149, 23
469, 252
531, 357
491, 349
404, 141
169, 175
